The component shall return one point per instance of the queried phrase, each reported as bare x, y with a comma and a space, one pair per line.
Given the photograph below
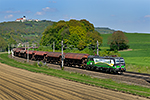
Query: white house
21, 19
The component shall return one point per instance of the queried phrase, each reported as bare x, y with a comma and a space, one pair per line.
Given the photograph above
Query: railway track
127, 77
138, 75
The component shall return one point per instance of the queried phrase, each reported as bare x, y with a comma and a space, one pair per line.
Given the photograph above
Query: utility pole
97, 48
8, 49
28, 52
62, 59
53, 46
12, 46
25, 46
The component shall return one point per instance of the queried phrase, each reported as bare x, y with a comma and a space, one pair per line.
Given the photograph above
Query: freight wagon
107, 64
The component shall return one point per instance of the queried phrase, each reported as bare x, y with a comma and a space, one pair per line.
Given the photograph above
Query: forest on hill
23, 31
31, 31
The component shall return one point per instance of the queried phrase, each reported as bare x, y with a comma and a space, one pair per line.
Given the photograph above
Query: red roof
30, 52
19, 19
19, 49
53, 54
23, 51
14, 49
40, 53
75, 56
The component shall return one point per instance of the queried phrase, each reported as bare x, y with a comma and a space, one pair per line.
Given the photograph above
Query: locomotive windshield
119, 60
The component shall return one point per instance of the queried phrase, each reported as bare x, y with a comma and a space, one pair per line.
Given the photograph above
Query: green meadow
137, 59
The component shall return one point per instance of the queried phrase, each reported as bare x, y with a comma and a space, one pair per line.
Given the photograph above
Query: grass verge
82, 78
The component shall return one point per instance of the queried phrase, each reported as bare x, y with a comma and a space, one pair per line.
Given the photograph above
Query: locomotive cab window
122, 61
90, 59
119, 60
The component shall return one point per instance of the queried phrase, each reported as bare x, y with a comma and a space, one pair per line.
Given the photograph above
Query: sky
125, 15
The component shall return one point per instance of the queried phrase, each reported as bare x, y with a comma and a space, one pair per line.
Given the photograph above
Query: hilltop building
24, 19
21, 19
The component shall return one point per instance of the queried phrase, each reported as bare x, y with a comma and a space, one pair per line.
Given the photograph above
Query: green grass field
138, 59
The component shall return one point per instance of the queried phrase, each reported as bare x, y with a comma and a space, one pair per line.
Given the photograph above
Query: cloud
15, 12
52, 1
147, 16
46, 9
28, 11
9, 11
8, 16
39, 13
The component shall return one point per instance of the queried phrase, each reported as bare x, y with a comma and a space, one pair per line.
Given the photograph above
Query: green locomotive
108, 64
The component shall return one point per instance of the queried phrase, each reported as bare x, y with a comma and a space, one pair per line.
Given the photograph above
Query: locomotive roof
103, 57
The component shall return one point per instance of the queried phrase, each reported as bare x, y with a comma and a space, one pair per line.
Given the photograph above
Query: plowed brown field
17, 83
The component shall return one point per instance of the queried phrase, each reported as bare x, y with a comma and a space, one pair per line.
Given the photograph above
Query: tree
11, 41
118, 41
87, 25
75, 33
3, 44
81, 45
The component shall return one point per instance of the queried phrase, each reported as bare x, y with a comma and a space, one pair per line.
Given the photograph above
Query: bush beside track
82, 78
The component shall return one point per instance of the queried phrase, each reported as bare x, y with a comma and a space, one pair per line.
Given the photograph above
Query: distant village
24, 19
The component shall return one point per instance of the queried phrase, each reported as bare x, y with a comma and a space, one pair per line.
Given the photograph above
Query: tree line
79, 34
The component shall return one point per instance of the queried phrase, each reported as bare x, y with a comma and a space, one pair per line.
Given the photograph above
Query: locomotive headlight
91, 63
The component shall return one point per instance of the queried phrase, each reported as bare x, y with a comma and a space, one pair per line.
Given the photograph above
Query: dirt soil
21, 84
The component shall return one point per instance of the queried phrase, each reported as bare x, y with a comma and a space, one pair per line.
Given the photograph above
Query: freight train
107, 64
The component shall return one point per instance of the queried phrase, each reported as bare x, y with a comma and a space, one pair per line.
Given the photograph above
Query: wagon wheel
74, 65
120, 73
83, 66
90, 68
87, 67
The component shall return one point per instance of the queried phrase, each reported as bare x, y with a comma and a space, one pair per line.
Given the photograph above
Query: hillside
22, 32
104, 30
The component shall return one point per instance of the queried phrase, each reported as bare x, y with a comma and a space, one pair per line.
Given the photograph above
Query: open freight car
53, 57
30, 52
22, 53
17, 51
73, 59
39, 55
